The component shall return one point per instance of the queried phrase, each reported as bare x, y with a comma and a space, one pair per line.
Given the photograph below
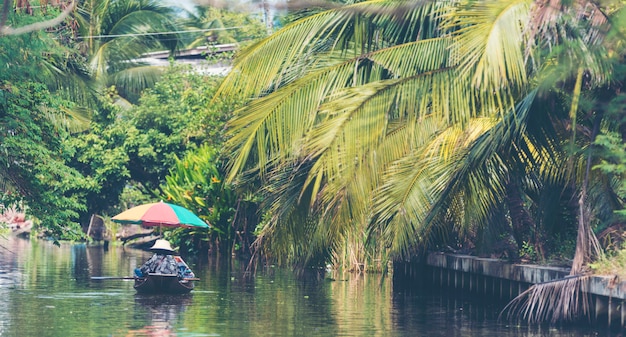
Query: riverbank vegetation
359, 134
89, 128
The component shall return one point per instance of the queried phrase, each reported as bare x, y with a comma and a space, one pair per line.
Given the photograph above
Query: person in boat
164, 262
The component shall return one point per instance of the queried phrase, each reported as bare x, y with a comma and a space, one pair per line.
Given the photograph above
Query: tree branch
6, 30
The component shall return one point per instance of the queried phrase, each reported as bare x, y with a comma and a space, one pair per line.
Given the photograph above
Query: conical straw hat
162, 245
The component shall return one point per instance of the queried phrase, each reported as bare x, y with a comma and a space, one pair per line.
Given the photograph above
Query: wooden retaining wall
500, 280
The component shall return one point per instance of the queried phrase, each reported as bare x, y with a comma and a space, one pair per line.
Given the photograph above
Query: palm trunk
521, 221
565, 299
587, 245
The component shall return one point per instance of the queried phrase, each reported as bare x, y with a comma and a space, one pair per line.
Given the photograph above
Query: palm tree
222, 26
392, 123
115, 33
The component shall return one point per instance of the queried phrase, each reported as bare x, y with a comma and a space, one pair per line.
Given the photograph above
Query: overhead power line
157, 33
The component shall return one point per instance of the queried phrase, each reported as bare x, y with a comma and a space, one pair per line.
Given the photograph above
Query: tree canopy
399, 125
35, 118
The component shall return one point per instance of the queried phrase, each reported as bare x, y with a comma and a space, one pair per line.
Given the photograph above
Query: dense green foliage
138, 146
195, 182
63, 178
34, 122
100, 156
372, 130
34, 163
181, 103
164, 148
393, 127
45, 169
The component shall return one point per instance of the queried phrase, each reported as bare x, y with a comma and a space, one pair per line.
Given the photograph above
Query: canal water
46, 290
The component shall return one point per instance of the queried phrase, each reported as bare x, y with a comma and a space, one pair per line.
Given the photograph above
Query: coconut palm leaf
220, 25
407, 196
131, 81
311, 25
359, 113
75, 119
489, 40
264, 65
307, 93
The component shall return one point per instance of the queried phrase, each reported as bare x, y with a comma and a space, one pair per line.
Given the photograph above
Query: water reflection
162, 311
47, 291
11, 277
11, 274
455, 315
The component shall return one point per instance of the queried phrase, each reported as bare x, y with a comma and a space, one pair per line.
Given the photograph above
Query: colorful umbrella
160, 214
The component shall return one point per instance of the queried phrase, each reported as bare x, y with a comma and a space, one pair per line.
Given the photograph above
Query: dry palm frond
547, 15
562, 300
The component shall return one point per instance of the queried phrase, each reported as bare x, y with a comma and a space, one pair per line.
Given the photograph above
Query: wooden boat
163, 284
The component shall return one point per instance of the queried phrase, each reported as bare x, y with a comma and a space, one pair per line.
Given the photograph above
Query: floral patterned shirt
160, 264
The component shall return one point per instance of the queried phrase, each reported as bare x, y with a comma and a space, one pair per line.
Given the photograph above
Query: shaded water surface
47, 290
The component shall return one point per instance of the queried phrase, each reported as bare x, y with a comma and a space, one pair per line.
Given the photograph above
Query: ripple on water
89, 295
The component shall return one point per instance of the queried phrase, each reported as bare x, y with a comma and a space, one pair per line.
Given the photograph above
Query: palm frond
412, 184
357, 119
489, 38
397, 121
262, 66
305, 96
74, 119
411, 203
131, 81
563, 300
